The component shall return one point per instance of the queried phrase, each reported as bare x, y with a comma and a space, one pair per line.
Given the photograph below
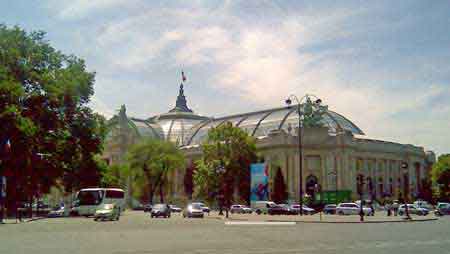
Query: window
114, 194
90, 197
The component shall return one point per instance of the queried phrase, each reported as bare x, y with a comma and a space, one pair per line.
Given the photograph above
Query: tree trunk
161, 193
150, 195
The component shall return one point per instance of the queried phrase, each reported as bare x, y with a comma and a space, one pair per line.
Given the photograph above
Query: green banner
333, 197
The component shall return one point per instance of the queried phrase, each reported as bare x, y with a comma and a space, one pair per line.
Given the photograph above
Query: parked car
58, 211
175, 209
351, 209
329, 209
412, 209
281, 209
40, 205
107, 212
263, 206
368, 203
240, 209
147, 208
442, 209
295, 209
160, 210
193, 210
423, 204
203, 206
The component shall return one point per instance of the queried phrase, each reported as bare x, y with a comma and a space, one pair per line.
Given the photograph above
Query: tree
440, 175
44, 116
227, 154
154, 159
115, 176
280, 194
189, 181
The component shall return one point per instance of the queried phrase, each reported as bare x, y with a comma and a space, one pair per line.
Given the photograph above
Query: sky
385, 65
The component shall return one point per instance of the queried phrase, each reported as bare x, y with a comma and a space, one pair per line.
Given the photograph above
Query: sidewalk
321, 219
14, 221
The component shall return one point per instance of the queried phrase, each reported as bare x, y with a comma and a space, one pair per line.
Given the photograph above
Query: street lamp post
405, 180
220, 170
360, 181
300, 146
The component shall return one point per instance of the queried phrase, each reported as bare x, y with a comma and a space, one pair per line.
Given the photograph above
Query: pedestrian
395, 207
372, 210
388, 208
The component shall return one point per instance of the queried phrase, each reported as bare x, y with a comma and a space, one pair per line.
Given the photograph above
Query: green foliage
115, 176
154, 159
440, 174
44, 115
313, 114
227, 154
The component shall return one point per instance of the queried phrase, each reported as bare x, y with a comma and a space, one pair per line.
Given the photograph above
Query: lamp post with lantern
309, 114
404, 167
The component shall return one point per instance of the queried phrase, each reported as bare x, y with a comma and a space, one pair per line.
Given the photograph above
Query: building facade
334, 153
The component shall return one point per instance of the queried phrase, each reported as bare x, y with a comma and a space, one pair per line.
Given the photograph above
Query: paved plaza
136, 233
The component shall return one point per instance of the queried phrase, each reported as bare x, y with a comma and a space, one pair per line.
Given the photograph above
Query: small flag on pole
182, 76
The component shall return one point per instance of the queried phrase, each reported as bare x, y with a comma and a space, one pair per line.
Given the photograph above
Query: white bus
87, 200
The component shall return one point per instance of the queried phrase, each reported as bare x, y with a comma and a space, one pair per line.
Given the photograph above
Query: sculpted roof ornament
181, 104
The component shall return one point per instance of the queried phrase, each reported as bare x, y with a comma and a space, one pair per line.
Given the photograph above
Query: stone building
333, 154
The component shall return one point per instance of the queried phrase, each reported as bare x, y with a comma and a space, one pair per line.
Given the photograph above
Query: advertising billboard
259, 173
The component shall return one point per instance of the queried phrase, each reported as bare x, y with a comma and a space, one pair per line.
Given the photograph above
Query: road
136, 233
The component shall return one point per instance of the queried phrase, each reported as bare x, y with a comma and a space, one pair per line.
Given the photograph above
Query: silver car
412, 209
193, 210
351, 209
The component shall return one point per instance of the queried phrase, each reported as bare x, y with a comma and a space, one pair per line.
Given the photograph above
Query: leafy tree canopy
44, 114
154, 159
440, 174
227, 154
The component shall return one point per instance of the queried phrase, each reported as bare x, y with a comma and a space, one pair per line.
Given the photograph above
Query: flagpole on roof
183, 77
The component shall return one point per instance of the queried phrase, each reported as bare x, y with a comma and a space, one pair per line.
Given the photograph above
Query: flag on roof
182, 76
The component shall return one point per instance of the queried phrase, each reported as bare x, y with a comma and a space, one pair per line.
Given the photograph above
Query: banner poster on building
259, 173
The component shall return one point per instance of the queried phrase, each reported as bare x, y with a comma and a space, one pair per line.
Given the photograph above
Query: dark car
160, 210
442, 209
329, 209
147, 208
279, 210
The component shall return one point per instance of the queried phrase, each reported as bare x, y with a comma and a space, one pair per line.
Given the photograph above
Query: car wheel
95, 219
400, 213
258, 212
340, 213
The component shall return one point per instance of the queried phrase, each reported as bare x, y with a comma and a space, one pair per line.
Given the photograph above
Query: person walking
388, 208
395, 207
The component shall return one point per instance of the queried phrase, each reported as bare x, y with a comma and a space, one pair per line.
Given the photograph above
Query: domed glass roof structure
183, 127
260, 123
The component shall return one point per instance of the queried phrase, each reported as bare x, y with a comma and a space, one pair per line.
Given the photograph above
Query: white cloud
76, 9
262, 61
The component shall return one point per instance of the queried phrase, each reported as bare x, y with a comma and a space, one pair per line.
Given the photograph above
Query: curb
358, 222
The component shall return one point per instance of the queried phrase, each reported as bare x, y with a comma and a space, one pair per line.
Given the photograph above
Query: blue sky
383, 64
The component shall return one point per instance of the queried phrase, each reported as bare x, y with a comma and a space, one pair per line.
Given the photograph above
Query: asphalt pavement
137, 233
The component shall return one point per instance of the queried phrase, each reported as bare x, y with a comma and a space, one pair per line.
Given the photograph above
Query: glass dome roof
181, 126
262, 122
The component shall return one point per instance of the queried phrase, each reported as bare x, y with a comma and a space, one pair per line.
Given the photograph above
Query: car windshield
159, 206
195, 206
